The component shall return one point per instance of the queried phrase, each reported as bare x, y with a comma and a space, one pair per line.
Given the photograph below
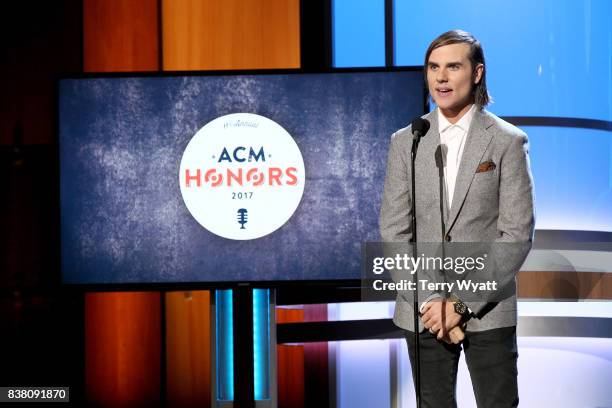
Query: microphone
242, 217
439, 155
420, 127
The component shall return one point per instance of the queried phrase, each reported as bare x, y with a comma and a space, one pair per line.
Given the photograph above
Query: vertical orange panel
230, 34
290, 362
120, 35
122, 348
188, 342
122, 330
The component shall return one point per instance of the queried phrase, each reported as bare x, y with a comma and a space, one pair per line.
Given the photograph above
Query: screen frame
331, 284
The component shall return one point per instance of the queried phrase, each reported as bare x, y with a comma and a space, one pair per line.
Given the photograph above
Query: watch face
460, 308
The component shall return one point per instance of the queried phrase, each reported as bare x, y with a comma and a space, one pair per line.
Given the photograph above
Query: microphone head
420, 126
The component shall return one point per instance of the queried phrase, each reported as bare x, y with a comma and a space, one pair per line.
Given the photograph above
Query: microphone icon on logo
242, 217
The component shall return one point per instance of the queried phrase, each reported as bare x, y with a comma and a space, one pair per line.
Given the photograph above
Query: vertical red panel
290, 364
122, 330
122, 348
120, 35
303, 370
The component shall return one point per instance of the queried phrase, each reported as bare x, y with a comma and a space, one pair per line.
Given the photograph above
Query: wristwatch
461, 309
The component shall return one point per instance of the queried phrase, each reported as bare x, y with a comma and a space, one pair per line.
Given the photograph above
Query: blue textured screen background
123, 219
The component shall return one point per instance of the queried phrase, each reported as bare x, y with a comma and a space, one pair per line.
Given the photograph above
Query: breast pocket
486, 183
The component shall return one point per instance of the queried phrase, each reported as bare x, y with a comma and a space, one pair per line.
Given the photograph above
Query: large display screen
226, 178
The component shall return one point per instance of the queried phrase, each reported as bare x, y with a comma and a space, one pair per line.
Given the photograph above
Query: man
481, 164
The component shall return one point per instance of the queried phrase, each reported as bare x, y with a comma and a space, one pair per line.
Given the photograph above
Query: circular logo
242, 176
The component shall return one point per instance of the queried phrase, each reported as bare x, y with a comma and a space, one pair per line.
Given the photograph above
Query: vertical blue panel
544, 58
261, 343
224, 344
358, 32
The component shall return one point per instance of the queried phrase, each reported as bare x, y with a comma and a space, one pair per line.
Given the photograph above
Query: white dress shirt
452, 139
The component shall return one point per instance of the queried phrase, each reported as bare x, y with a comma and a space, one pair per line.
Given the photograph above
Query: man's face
450, 79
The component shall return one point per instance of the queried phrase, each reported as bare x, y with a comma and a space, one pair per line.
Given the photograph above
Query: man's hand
439, 317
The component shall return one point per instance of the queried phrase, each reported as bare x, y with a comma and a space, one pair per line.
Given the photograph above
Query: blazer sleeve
395, 209
516, 220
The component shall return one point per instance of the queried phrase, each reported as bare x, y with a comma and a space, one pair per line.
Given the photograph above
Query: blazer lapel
430, 169
477, 141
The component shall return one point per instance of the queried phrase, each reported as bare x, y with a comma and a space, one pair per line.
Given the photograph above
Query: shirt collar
463, 123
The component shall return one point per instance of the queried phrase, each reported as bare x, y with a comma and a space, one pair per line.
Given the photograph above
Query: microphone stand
413, 241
